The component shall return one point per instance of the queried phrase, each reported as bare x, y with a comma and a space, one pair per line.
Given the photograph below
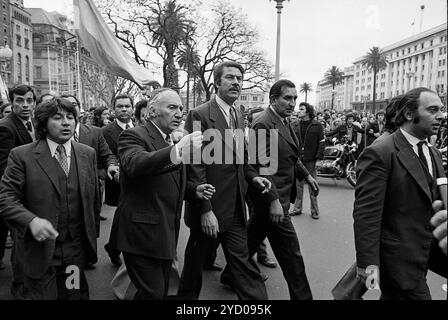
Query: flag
104, 47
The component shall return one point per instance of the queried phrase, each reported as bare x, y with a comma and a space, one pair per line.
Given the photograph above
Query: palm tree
334, 76
305, 88
375, 60
170, 28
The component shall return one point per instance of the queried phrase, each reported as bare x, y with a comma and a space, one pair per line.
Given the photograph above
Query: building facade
417, 61
342, 94
5, 40
251, 98
57, 67
21, 31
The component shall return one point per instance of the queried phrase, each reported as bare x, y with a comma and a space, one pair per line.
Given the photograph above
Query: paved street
327, 246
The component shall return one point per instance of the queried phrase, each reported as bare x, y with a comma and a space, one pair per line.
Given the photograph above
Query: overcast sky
317, 34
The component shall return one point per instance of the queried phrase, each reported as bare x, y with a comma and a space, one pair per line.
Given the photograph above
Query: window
431, 42
357, 81
423, 56
392, 74
357, 74
415, 48
27, 69
423, 77
27, 43
409, 50
440, 63
416, 59
397, 53
254, 98
369, 79
443, 73
441, 39
243, 98
26, 32
19, 40
363, 80
438, 74
17, 28
398, 64
363, 72
416, 68
357, 89
39, 75
19, 68
441, 51
444, 61
402, 52
362, 88
369, 87
422, 45
423, 67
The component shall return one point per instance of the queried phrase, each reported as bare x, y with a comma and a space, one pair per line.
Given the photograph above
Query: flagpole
78, 67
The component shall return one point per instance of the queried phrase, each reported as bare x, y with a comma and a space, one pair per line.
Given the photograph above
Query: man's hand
42, 229
262, 183
205, 191
209, 224
439, 221
192, 140
116, 176
112, 170
312, 183
377, 134
276, 211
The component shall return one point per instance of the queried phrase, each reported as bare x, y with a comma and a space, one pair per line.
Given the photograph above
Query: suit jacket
13, 133
289, 167
392, 210
342, 131
229, 180
147, 219
314, 141
111, 132
93, 137
30, 188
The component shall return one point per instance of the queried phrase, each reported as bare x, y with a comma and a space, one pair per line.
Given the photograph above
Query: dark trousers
248, 283
55, 284
3, 237
390, 292
150, 276
298, 205
285, 245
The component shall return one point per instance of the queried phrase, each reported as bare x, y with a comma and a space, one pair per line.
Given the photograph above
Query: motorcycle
339, 161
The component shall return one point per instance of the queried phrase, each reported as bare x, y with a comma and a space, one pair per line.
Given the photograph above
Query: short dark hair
42, 96
349, 115
309, 109
408, 102
138, 108
381, 111
219, 69
21, 90
96, 121
48, 109
3, 107
276, 89
122, 96
390, 113
71, 96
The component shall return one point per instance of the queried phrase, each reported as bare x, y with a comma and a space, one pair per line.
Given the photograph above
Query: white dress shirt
123, 125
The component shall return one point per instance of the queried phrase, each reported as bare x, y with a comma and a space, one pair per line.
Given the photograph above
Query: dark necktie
75, 136
168, 139
127, 126
29, 126
421, 155
61, 156
232, 122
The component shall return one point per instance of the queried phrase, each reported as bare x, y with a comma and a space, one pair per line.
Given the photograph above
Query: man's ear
409, 115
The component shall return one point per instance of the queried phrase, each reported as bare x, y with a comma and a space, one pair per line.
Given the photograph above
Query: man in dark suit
348, 129
271, 216
123, 106
224, 216
376, 129
153, 186
393, 202
93, 137
48, 195
15, 130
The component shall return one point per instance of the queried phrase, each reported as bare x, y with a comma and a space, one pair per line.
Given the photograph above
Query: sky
316, 34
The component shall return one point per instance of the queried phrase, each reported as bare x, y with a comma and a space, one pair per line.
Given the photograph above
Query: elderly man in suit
48, 194
394, 194
271, 218
15, 130
224, 216
153, 186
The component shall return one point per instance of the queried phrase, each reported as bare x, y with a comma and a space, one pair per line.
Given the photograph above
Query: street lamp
5, 57
279, 7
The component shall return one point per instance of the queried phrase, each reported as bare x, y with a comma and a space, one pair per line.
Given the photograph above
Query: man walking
311, 148
394, 194
48, 194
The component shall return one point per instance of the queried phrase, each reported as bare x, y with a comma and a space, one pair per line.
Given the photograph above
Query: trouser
311, 167
58, 283
150, 276
390, 292
248, 282
3, 237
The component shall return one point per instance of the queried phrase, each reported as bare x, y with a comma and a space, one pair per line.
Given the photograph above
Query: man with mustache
394, 195
223, 217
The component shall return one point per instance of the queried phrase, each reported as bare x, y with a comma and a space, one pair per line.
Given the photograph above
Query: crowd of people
58, 163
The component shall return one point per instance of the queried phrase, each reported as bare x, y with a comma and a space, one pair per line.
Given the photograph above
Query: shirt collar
276, 114
160, 130
223, 105
53, 145
411, 139
123, 125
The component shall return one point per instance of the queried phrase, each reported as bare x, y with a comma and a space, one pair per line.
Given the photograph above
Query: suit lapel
439, 172
158, 142
220, 123
21, 129
282, 130
411, 162
47, 163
